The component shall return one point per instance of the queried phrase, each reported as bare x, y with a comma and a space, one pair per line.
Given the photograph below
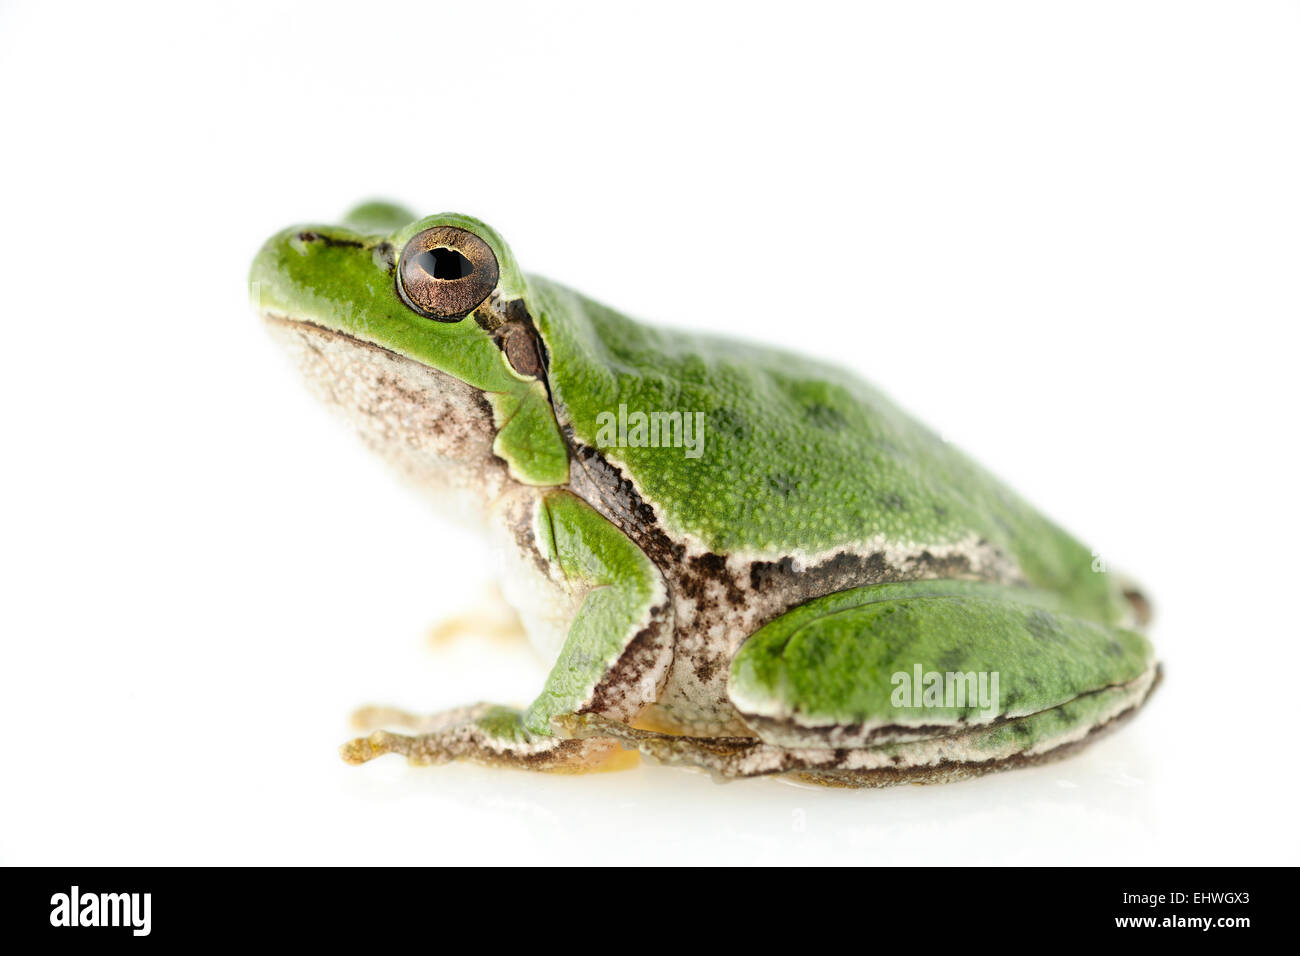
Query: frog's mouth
278, 323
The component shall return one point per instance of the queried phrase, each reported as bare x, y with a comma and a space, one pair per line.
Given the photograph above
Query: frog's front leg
613, 663
483, 733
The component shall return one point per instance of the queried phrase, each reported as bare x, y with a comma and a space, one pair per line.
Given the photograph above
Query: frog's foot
482, 733
492, 617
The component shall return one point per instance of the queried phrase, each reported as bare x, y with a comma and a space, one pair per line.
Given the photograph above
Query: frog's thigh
613, 663
896, 663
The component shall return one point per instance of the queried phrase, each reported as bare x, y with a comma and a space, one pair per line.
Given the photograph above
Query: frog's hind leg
915, 682
1054, 733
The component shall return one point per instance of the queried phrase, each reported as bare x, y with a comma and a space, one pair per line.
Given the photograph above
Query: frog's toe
363, 749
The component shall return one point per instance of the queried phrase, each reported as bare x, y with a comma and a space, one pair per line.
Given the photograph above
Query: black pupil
444, 264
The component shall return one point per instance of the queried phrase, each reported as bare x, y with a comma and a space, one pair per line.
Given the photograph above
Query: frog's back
798, 458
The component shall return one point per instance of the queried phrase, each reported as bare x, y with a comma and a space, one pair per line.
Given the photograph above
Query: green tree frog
731, 557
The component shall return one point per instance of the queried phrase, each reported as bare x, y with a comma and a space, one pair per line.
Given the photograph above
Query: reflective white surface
1064, 238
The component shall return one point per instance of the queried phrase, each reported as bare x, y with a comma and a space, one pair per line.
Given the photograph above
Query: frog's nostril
444, 264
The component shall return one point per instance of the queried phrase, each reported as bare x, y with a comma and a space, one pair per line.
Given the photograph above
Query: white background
1066, 235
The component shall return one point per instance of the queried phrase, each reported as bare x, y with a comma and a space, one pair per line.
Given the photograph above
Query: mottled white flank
711, 627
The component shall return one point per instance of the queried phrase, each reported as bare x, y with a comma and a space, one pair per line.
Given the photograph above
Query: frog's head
417, 329
430, 289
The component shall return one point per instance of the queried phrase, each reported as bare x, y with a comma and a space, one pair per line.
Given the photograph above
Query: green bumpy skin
831, 662
799, 456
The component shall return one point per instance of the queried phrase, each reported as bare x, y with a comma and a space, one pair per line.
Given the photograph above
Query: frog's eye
445, 273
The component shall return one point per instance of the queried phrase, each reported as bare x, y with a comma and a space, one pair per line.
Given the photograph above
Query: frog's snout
311, 271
